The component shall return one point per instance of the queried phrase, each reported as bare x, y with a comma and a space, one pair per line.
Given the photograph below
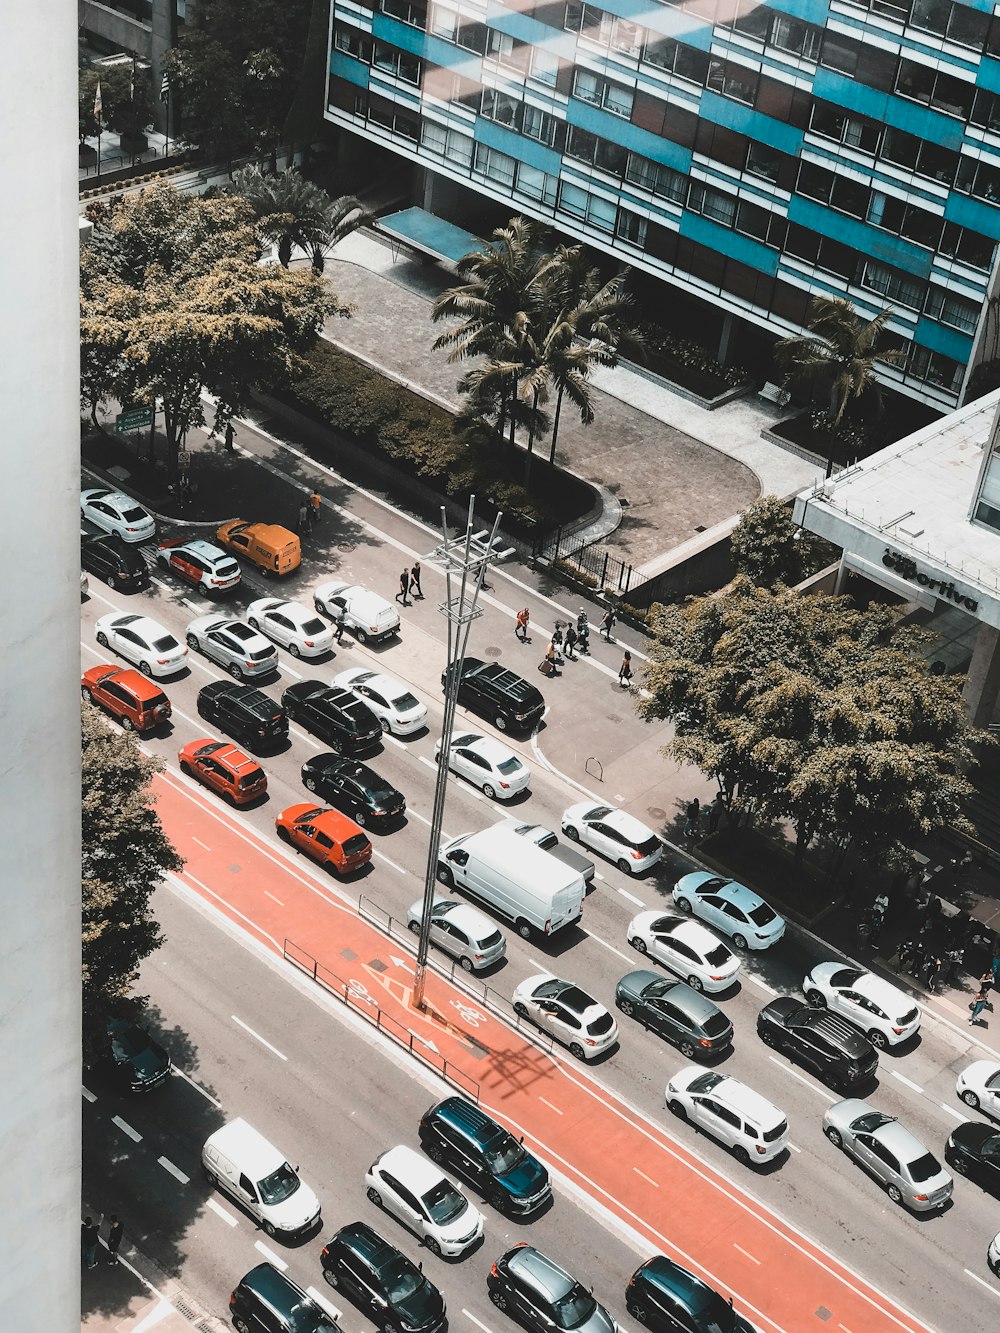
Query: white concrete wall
39, 675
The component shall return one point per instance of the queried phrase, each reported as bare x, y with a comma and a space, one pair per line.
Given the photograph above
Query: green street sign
133, 418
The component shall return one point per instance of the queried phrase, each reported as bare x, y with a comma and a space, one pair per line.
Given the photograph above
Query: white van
517, 879
252, 1171
369, 617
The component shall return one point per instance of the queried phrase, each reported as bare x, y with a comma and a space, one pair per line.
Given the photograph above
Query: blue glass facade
751, 153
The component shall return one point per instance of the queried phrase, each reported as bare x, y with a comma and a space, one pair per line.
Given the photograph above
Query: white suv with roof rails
886, 1015
741, 1119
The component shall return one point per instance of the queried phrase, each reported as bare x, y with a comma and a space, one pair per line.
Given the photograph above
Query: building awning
429, 234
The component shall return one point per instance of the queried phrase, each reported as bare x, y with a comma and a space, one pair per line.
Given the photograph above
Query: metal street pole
465, 559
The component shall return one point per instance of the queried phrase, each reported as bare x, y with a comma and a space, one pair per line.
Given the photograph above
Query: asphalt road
814, 1188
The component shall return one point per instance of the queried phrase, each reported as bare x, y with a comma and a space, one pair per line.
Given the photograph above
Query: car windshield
718, 956
869, 1123
279, 1185
994, 1080
503, 1153
309, 1318
705, 1082
990, 1150
401, 1279
210, 748
574, 1308
762, 915
510, 765
925, 1167
444, 1203
598, 812
165, 644
405, 701
313, 626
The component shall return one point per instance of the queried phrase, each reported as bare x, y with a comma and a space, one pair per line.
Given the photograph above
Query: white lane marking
325, 1304
200, 843
649, 1179
287, 670
429, 763
89, 1096
382, 857
175, 1171
162, 1310
550, 1106
197, 1087
804, 1081
632, 898
478, 1322
227, 1217
126, 1128
610, 947
950, 1110
793, 1146
761, 985
982, 1281
746, 1254
389, 739
908, 1081
273, 1049
415, 814
270, 895
599, 876
272, 1258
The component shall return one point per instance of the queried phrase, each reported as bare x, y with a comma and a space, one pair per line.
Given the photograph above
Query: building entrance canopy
429, 234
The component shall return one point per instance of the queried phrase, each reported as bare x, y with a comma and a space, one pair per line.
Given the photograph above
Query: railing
359, 1001
609, 571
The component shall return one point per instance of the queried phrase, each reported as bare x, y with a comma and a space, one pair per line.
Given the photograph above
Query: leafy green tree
810, 712
295, 212
769, 547
175, 305
125, 857
126, 100
341, 216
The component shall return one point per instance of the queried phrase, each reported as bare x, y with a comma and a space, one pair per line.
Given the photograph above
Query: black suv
353, 787
108, 557
132, 1058
818, 1040
535, 1291
664, 1296
268, 1302
247, 714
382, 1280
334, 715
464, 1139
498, 694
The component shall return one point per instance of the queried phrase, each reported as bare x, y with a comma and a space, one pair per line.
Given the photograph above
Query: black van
268, 1302
457, 1134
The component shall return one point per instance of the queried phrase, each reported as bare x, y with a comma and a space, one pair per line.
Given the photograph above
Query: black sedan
354, 788
382, 1280
696, 1026
132, 1058
973, 1149
334, 715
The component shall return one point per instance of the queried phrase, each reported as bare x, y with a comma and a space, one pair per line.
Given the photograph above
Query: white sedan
730, 907
414, 1190
687, 948
393, 703
144, 642
978, 1085
241, 650
487, 764
292, 625
886, 1015
575, 1019
115, 512
619, 836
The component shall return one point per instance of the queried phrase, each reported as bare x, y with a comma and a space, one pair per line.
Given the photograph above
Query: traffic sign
133, 418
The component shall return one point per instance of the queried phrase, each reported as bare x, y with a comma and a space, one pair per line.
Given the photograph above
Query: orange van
132, 700
273, 548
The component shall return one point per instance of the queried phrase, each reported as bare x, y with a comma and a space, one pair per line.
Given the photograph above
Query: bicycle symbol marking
359, 991
474, 1017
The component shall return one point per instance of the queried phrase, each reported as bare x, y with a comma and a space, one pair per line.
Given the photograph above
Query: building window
400, 64
414, 14
601, 92
902, 219
892, 284
748, 17
944, 93
968, 247
536, 184
597, 152
631, 228
919, 155
544, 66
966, 27
801, 39
764, 162
446, 143
712, 204
986, 110
988, 501
538, 124
495, 166
353, 43
840, 192
979, 178
591, 208
954, 311
764, 226
656, 178
933, 368
597, 25
500, 107
449, 25
733, 80
506, 50
852, 131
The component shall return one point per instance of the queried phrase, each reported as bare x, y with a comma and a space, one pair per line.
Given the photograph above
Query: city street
810, 1239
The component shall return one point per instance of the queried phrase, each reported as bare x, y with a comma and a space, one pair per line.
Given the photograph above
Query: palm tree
290, 209
837, 357
341, 216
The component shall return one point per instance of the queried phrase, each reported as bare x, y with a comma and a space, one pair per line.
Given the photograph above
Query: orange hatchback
326, 835
131, 698
219, 765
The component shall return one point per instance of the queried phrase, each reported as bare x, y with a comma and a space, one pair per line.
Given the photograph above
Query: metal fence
609, 571
357, 998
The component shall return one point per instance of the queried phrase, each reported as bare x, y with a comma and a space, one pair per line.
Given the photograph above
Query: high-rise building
146, 29
749, 154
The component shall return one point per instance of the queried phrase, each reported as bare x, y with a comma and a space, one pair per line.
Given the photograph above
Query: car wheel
970, 1099
816, 998
145, 668
498, 1299
309, 784
741, 1155
294, 650
960, 1164
894, 1193
434, 1152
677, 1108
102, 639
90, 699
445, 877
637, 1311
488, 791
254, 623
466, 964
740, 941
191, 640
126, 723
209, 1176
186, 768
374, 1195
388, 1326
687, 1049
414, 926
500, 723
112, 582
385, 726
572, 833
878, 1039
319, 606
576, 1050
623, 866
521, 1009
330, 1277
432, 1245
627, 1007
767, 1037
283, 833
639, 944
269, 1228
684, 905
236, 671
523, 928
360, 818
834, 1136
361, 635
696, 983
240, 1325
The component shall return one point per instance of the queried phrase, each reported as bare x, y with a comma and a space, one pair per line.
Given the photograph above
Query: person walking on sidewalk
315, 503
339, 624
977, 1006
550, 660
557, 641
608, 624
521, 625
302, 525
583, 632
415, 589
90, 1238
115, 1238
691, 818
404, 583
625, 672
934, 972
570, 639
715, 812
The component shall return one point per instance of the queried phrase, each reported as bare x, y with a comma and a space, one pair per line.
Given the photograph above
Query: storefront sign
907, 569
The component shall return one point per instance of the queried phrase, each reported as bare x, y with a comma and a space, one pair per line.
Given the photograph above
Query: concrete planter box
710, 404
134, 144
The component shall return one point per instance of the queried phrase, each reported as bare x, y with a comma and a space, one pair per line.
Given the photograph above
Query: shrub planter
715, 392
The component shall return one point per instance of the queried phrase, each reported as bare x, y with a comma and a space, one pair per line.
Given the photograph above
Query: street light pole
465, 559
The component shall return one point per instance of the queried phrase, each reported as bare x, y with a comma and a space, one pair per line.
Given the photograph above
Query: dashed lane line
257, 1037
952, 1111
908, 1082
280, 1264
793, 1073
761, 985
226, 1216
197, 1086
478, 1322
175, 1171
126, 1128
982, 1281
550, 1106
746, 1254
648, 1179
632, 898
269, 894
88, 1095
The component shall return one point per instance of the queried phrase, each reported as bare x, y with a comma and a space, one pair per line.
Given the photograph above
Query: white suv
414, 1190
741, 1119
886, 1015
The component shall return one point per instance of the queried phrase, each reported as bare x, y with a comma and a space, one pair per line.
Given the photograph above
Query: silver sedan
242, 651
896, 1158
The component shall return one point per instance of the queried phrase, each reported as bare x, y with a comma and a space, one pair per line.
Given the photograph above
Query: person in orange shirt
521, 626
315, 508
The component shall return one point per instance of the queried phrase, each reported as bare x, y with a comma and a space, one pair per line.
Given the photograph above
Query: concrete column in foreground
982, 684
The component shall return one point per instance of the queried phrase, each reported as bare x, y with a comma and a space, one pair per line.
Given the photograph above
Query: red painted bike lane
682, 1206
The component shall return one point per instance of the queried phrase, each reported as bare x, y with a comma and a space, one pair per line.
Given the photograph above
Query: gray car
672, 1009
462, 931
539, 1294
911, 1175
241, 650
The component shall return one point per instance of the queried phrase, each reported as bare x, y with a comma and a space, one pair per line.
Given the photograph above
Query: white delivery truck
518, 880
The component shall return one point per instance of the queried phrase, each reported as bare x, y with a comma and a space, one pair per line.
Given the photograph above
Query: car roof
199, 547
684, 928
889, 996
475, 923
489, 748
669, 1277
364, 1240
412, 1169
540, 1271
898, 1139
629, 825
146, 625
751, 1103
459, 1111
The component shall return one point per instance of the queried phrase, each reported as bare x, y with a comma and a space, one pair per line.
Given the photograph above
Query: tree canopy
769, 547
294, 211
125, 856
175, 304
807, 710
126, 100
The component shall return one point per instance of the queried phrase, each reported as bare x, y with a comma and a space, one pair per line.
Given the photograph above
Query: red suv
130, 697
227, 770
